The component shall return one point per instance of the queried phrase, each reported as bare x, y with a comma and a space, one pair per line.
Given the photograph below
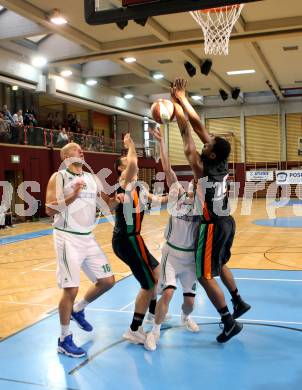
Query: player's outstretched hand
128, 140
156, 134
179, 88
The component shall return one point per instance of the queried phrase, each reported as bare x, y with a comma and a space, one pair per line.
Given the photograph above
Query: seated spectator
62, 139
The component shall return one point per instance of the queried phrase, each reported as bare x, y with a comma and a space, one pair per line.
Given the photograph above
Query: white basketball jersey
181, 230
79, 217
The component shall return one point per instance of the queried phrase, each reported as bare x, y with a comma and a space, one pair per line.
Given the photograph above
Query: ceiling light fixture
196, 97
91, 82
130, 60
57, 18
66, 73
15, 87
237, 72
157, 75
39, 62
128, 95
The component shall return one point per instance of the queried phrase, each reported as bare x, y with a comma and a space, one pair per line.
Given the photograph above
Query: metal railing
39, 136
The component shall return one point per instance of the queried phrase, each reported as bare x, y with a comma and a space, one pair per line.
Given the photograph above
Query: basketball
162, 111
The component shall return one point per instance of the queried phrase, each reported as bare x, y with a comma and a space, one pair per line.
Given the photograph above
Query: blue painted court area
47, 232
265, 355
39, 233
286, 202
284, 222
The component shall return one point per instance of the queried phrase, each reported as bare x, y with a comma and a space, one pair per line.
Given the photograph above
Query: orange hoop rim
224, 8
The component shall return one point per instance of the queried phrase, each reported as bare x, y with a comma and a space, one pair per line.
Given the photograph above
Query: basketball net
217, 25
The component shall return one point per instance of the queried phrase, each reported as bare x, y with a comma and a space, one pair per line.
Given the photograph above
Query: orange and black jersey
215, 192
129, 215
127, 243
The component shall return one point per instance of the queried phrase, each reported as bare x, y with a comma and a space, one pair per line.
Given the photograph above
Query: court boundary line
47, 232
54, 311
45, 317
129, 273
201, 317
92, 357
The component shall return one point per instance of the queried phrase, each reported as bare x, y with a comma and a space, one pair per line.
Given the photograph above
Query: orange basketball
162, 111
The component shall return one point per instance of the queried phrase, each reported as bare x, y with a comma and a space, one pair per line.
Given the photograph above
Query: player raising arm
178, 261
217, 229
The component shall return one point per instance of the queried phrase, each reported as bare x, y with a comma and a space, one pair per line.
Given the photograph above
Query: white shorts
75, 252
175, 265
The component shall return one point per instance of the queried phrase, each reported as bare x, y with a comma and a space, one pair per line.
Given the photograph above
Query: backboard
120, 12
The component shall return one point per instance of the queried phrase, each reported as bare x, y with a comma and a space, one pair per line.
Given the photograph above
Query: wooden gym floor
27, 268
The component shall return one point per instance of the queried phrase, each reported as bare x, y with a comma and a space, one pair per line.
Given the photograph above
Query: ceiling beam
274, 24
145, 73
156, 29
260, 59
181, 44
37, 15
263, 64
126, 80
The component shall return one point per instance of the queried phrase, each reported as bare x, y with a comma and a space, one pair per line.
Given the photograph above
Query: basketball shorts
213, 248
133, 251
75, 252
177, 265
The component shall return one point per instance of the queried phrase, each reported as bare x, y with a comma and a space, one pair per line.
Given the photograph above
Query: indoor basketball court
242, 62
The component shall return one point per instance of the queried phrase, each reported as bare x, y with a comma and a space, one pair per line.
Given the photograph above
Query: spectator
6, 219
17, 125
29, 119
50, 121
18, 118
62, 139
4, 128
34, 134
102, 141
72, 123
8, 115
57, 121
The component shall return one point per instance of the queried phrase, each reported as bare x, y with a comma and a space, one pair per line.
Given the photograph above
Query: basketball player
71, 198
178, 260
217, 229
128, 243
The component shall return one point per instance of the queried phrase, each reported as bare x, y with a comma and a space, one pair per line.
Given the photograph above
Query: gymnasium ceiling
267, 38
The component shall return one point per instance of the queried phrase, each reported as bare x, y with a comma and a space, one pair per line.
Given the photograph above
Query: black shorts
133, 251
213, 248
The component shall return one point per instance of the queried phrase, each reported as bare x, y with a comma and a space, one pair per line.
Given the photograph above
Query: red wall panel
38, 164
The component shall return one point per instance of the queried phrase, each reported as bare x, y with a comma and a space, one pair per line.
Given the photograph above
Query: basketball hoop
217, 25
